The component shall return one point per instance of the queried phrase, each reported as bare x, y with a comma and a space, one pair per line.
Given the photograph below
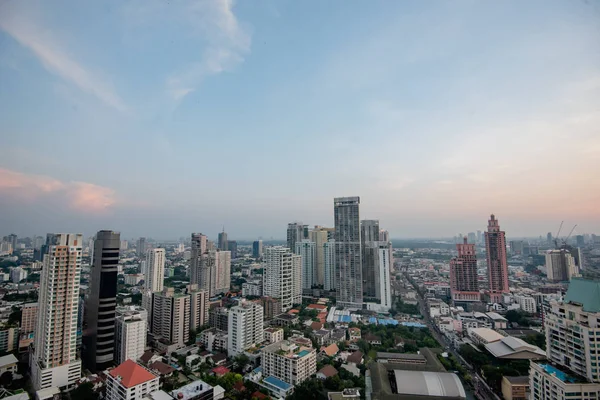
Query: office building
232, 247
319, 236
198, 306
155, 270
29, 313
245, 327
282, 278
257, 249
329, 282
463, 274
369, 233
130, 381
99, 328
54, 361
171, 316
526, 303
306, 249
295, 233
222, 242
348, 252
289, 361
560, 265
131, 326
495, 246
141, 247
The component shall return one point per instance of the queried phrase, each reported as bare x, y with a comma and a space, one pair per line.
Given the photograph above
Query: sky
161, 118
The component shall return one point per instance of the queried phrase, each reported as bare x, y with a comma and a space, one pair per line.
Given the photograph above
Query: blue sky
161, 118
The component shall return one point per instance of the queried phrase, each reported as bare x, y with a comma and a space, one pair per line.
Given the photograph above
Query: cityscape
299, 200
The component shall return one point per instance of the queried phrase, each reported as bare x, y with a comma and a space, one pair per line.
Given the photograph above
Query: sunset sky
160, 118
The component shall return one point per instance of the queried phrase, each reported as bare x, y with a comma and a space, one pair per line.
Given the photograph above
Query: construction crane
556, 237
567, 238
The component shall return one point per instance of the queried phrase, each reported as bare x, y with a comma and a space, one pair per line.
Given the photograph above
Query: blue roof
345, 318
388, 322
414, 324
257, 370
372, 320
271, 380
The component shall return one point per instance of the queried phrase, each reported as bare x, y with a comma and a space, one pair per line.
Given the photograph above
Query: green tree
240, 361
85, 391
536, 339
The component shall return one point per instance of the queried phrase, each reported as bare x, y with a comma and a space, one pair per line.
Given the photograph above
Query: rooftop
424, 383
584, 292
328, 371
514, 348
278, 383
288, 349
191, 390
518, 380
8, 359
562, 375
489, 335
131, 374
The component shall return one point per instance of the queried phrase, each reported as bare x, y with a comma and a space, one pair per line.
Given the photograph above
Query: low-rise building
213, 339
515, 387
8, 363
130, 381
401, 358
512, 348
484, 335
273, 335
289, 362
197, 390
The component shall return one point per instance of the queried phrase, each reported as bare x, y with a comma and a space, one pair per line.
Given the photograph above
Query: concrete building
99, 328
376, 264
329, 282
252, 288
257, 249
348, 271
141, 247
29, 313
526, 303
198, 248
171, 316
131, 326
495, 246
218, 318
214, 340
130, 381
464, 285
196, 390
54, 360
515, 387
9, 339
155, 270
198, 306
17, 274
295, 233
288, 361
214, 272
282, 278
222, 242
306, 249
271, 307
232, 247
273, 335
319, 236
560, 265
369, 234
245, 327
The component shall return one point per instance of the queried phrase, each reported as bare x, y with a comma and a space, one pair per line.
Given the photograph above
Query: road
482, 390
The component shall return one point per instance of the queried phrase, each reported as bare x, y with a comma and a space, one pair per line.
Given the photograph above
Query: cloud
31, 35
82, 197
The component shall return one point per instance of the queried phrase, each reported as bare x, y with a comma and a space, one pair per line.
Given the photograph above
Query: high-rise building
222, 242
282, 278
124, 244
295, 233
141, 247
319, 236
549, 238
271, 307
329, 282
198, 306
348, 252
572, 329
155, 270
478, 237
197, 250
218, 318
369, 230
171, 316
560, 265
13, 240
221, 271
306, 249
54, 359
131, 326
245, 327
232, 247
369, 233
376, 259
580, 240
99, 330
257, 249
289, 362
517, 247
464, 285
29, 313
495, 246
384, 236
471, 237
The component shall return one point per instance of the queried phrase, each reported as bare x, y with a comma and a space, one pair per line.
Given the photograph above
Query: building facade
131, 326
245, 327
257, 249
560, 265
289, 362
54, 361
319, 236
130, 381
282, 278
464, 285
348, 271
155, 270
198, 306
295, 233
171, 316
222, 242
495, 246
329, 282
376, 264
306, 249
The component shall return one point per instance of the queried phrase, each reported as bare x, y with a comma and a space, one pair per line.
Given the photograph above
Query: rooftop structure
196, 390
515, 349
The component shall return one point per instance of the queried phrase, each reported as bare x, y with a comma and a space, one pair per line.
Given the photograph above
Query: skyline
158, 120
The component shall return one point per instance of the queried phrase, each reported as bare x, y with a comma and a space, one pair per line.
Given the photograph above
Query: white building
155, 270
133, 279
171, 316
282, 278
17, 274
245, 327
214, 340
306, 249
130, 381
252, 288
526, 303
288, 361
131, 326
53, 365
329, 265
273, 335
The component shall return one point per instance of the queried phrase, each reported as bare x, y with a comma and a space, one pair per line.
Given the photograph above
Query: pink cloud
79, 196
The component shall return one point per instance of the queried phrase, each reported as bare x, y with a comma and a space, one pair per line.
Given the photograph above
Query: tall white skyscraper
319, 236
245, 327
131, 325
306, 249
282, 278
376, 259
155, 270
54, 359
348, 252
329, 282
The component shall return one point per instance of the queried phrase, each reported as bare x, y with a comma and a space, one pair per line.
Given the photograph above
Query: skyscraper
560, 265
155, 270
232, 247
54, 359
306, 249
329, 282
348, 252
377, 261
222, 242
319, 236
171, 316
130, 333
141, 247
213, 272
282, 278
463, 274
197, 250
549, 238
245, 327
495, 245
580, 240
295, 233
257, 249
99, 330
369, 234
198, 306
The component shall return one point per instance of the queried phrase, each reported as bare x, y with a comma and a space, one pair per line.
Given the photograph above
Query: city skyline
249, 88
